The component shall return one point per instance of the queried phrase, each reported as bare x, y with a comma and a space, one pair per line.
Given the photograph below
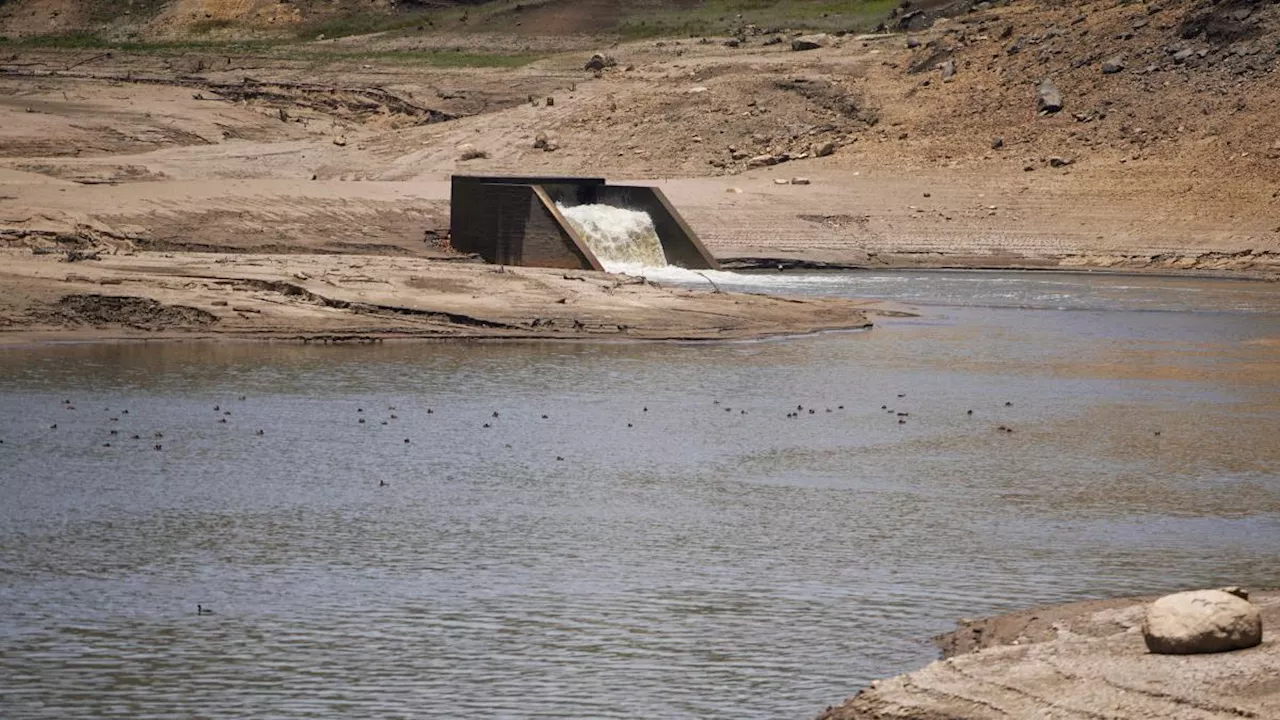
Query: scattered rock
733, 43
540, 141
779, 181
765, 160
824, 149
948, 69
340, 141
1201, 621
800, 181
1057, 161
914, 20
600, 61
551, 101
912, 43
1048, 97
997, 143
1112, 66
468, 151
810, 42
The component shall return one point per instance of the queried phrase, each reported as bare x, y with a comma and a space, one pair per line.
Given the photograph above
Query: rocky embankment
1091, 660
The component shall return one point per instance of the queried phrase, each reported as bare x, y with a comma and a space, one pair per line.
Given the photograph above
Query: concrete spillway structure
517, 221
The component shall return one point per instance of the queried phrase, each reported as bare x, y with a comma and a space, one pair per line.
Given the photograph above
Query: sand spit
149, 295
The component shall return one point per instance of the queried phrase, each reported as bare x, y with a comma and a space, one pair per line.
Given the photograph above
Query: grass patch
432, 58
79, 41
71, 41
720, 17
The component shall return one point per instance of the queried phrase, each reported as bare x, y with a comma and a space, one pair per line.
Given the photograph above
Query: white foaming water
626, 242
619, 237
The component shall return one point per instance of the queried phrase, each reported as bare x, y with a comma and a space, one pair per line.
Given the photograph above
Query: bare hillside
1020, 134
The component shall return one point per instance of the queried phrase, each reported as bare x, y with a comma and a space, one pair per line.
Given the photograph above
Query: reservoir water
665, 543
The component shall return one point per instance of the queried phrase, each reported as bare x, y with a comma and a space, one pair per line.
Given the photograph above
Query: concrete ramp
515, 221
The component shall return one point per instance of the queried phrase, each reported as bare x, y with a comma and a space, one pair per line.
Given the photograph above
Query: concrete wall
514, 221
511, 221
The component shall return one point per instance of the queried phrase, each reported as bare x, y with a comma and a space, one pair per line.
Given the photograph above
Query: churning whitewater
621, 239
626, 242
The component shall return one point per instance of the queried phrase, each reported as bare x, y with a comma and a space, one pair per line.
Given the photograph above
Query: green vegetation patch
433, 58
720, 17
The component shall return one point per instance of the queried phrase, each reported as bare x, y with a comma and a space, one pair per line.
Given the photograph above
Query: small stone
997, 143
340, 141
810, 42
1112, 66
765, 160
912, 43
733, 43
1048, 97
551, 101
1058, 162
779, 181
468, 151
1201, 621
824, 149
600, 61
800, 181
540, 141
948, 69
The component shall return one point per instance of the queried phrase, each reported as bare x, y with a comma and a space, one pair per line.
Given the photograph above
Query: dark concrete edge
566, 229
689, 235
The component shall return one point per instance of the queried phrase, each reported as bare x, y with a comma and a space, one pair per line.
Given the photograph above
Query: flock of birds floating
800, 410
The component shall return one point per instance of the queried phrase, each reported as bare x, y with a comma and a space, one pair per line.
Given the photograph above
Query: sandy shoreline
350, 298
1083, 659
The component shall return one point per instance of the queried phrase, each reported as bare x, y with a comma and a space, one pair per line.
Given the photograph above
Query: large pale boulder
1201, 621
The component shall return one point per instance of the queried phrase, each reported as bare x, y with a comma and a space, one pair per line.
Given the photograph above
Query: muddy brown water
688, 561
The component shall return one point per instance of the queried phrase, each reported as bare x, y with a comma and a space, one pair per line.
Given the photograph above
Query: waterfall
623, 240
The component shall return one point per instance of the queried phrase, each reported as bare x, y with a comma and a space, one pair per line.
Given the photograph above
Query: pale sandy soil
309, 149
1081, 660
339, 298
